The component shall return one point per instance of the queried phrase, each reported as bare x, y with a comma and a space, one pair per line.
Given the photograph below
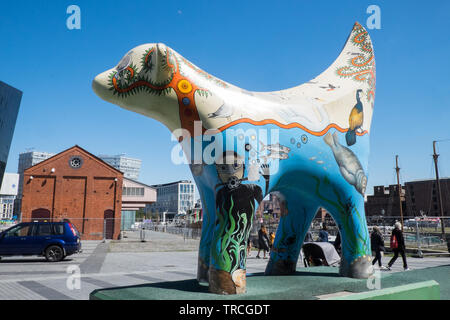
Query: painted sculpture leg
229, 247
356, 260
204, 252
204, 178
289, 239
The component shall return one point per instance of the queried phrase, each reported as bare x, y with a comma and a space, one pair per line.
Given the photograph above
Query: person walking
398, 246
263, 241
323, 234
377, 244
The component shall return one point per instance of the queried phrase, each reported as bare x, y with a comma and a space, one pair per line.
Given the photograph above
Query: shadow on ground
32, 260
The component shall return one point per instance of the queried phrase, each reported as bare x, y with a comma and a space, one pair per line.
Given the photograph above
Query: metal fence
6, 224
105, 228
186, 232
90, 228
420, 233
173, 226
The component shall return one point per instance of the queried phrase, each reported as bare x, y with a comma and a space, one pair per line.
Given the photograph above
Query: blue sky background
257, 45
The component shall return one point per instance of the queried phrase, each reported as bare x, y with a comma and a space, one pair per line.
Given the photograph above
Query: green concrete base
426, 290
306, 284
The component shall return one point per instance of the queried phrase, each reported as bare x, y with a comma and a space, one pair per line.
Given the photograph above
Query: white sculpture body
309, 144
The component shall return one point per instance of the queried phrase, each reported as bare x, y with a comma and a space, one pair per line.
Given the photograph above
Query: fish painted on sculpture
275, 148
349, 165
275, 151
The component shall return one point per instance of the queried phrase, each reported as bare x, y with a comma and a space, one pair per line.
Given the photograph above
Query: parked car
53, 240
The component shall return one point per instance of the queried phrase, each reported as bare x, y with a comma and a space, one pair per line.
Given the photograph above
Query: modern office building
27, 160
173, 198
8, 193
129, 166
9, 108
135, 196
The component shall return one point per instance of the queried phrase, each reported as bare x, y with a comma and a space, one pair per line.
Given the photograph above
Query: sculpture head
139, 83
230, 168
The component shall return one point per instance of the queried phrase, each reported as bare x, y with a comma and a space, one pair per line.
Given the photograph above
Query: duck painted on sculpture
355, 120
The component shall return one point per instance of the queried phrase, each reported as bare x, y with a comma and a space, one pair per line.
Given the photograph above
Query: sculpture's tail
336, 87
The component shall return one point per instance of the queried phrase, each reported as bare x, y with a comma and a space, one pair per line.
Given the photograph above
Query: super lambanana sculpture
309, 144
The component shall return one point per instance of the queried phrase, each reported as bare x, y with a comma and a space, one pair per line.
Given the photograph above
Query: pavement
127, 262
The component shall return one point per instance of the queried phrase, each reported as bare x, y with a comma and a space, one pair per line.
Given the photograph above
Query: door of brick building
40, 214
109, 224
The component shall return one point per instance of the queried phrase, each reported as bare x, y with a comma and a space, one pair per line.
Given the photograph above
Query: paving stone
103, 265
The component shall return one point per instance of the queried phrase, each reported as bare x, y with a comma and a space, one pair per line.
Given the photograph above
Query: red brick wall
81, 195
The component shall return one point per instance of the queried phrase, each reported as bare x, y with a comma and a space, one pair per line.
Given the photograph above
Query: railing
188, 231
420, 233
89, 228
5, 224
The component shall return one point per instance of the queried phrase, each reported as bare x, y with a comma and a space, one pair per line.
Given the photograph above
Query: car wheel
54, 253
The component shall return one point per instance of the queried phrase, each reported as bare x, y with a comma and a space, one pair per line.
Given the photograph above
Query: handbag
394, 242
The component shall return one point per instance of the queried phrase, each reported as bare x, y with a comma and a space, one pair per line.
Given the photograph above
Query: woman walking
377, 244
263, 241
398, 246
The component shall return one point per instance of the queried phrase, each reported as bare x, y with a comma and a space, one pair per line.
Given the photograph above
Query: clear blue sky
257, 45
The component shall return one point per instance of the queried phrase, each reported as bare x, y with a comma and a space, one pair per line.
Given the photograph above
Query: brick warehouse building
78, 186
